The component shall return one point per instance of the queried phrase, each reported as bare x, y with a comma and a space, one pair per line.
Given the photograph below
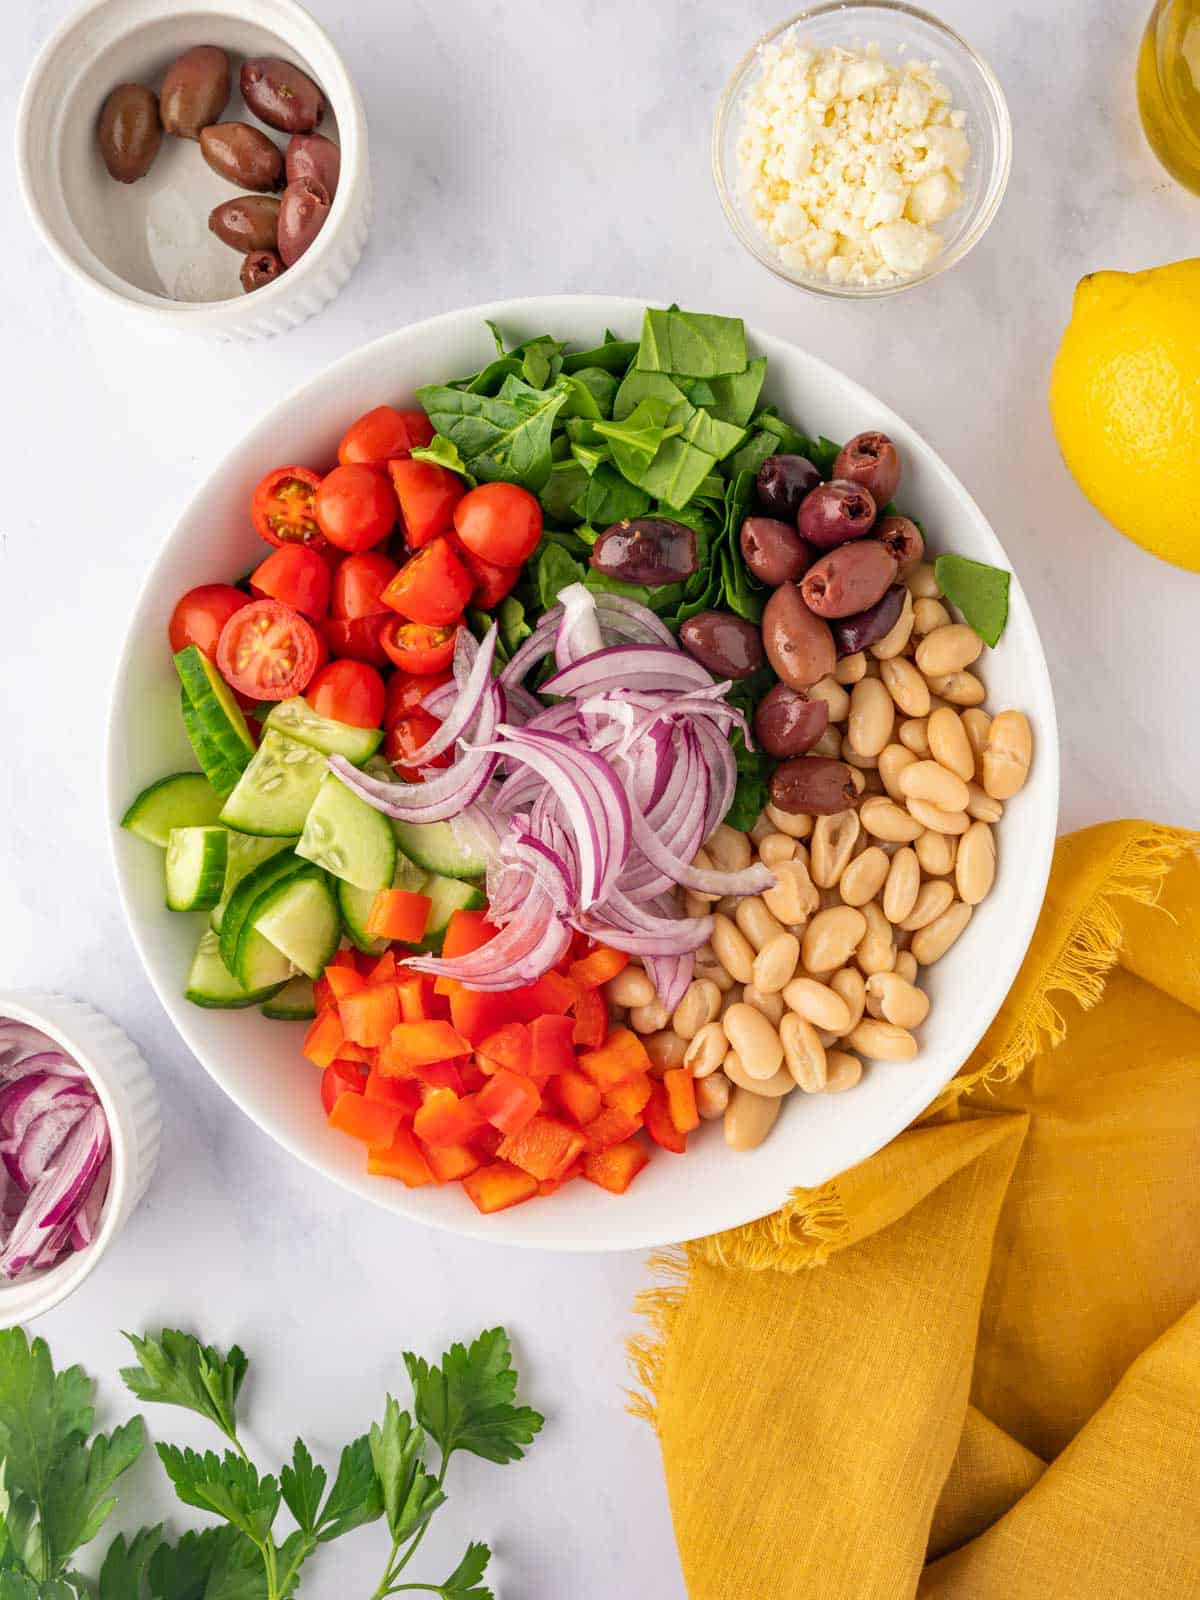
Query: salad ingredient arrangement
847, 162
54, 1142
59, 1484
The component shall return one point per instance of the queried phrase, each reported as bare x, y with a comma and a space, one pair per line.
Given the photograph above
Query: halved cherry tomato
282, 507
357, 638
414, 648
406, 691
407, 735
500, 522
268, 650
348, 691
297, 576
428, 495
491, 582
382, 435
358, 583
355, 507
432, 586
201, 614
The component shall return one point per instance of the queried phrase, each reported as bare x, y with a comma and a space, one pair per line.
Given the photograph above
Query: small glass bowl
901, 32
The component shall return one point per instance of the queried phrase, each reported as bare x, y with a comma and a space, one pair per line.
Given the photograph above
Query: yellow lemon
1125, 404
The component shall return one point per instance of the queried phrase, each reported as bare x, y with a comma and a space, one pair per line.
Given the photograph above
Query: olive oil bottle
1168, 87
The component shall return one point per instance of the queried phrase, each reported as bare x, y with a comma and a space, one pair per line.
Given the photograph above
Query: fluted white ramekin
102, 232
122, 1079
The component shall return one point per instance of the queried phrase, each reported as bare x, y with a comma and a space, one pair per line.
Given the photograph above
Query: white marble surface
519, 149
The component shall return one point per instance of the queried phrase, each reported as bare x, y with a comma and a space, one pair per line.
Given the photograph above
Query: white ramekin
67, 190
123, 1082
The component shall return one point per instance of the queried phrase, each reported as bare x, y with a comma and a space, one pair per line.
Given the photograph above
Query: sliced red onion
58, 1195
87, 1219
671, 977
752, 880
538, 645
533, 942
471, 691
630, 666
579, 631
43, 1139
637, 622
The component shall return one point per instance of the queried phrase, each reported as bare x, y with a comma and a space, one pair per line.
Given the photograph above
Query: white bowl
146, 245
122, 1079
258, 1063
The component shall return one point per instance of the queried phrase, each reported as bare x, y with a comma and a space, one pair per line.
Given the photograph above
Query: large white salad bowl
258, 1063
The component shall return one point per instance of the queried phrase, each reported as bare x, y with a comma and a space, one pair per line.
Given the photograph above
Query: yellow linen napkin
991, 1389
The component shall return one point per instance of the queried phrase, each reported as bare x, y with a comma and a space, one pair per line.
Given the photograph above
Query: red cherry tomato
201, 614
282, 507
359, 582
383, 435
428, 495
408, 735
405, 692
348, 691
500, 522
341, 1077
432, 586
267, 650
355, 507
414, 648
491, 582
297, 576
357, 638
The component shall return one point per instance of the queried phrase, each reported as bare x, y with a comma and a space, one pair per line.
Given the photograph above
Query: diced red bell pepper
681, 1098
403, 1092
616, 1168
551, 993
629, 1097
451, 1161
441, 1075
384, 970
342, 1077
344, 981
578, 1095
552, 1185
476, 1013
470, 1076
443, 1118
412, 1000
657, 1117
609, 1128
467, 931
544, 1147
617, 1060
498, 1186
398, 914
403, 1158
349, 1051
509, 1100
431, 587
419, 1043
591, 1019
369, 1120
552, 1039
508, 1046
597, 968
370, 1016
323, 1039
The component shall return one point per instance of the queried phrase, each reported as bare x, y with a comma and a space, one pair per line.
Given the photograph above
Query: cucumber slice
221, 775
295, 1002
185, 800
277, 788
448, 895
218, 712
195, 867
246, 851
433, 846
245, 897
210, 982
298, 720
348, 837
299, 916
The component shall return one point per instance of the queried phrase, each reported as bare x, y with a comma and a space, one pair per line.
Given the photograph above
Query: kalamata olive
195, 91
260, 267
835, 512
248, 223
813, 784
649, 550
782, 483
243, 154
787, 722
849, 579
798, 644
280, 95
729, 646
302, 213
130, 132
868, 627
312, 155
870, 460
773, 550
903, 538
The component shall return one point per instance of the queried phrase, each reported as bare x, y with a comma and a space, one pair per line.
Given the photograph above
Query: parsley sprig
56, 1486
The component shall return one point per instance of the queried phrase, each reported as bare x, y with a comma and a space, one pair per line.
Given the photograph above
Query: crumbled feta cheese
846, 162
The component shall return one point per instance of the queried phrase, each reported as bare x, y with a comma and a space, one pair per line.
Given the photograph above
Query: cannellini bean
776, 963
773, 1088
884, 819
755, 1040
906, 966
842, 1071
830, 938
933, 816
865, 876
948, 649
914, 736
776, 847
902, 886
981, 806
895, 640
701, 1003
796, 824
794, 898
933, 898
649, 1018
930, 943
850, 986
851, 669
872, 716
976, 724
906, 686
712, 1096
665, 1049
706, 1050
733, 950
834, 695
1007, 754
975, 866
876, 950
630, 987
755, 921
929, 781
832, 845
819, 1004
771, 1005
936, 852
922, 582
729, 849
900, 1002
949, 745
957, 688
803, 1053
929, 614
893, 759
749, 1118
883, 1041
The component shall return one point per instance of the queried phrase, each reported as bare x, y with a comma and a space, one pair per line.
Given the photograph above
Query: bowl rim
994, 983
197, 314
997, 180
54, 1285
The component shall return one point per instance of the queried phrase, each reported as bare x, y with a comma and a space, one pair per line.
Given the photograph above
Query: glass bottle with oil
1168, 87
